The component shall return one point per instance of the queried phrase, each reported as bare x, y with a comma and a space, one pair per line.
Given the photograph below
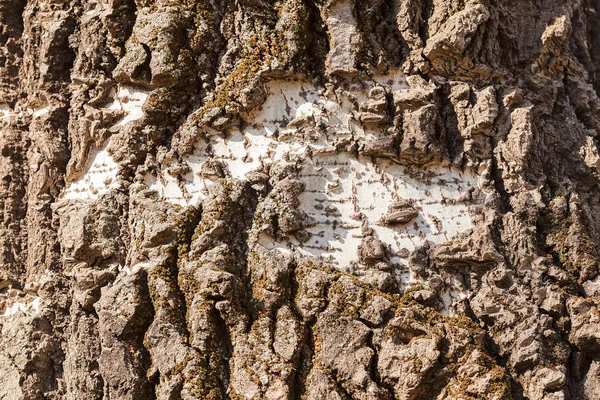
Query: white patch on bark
135, 267
101, 174
99, 178
5, 111
30, 308
342, 191
38, 112
448, 298
129, 100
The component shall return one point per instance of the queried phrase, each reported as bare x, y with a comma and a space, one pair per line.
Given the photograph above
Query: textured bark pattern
299, 199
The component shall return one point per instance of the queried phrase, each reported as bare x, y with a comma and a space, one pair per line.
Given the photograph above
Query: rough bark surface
299, 199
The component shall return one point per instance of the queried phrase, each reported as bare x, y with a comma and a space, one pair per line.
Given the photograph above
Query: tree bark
299, 199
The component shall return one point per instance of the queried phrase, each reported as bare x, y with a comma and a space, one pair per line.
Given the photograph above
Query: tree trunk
299, 199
